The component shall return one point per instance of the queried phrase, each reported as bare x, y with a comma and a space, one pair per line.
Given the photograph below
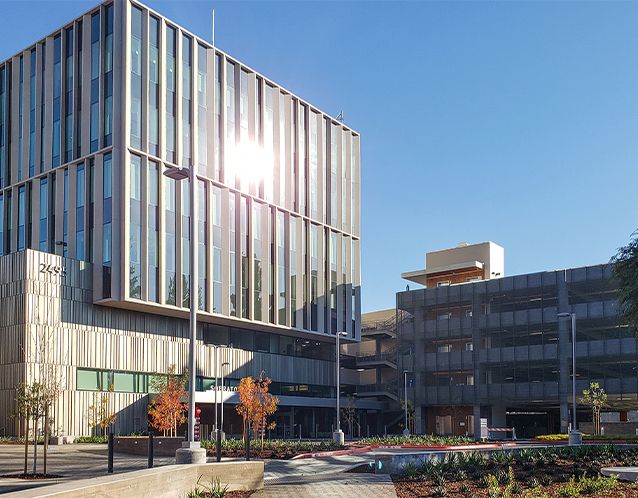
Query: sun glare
252, 163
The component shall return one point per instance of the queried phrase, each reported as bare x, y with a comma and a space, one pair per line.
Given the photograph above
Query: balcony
387, 358
378, 390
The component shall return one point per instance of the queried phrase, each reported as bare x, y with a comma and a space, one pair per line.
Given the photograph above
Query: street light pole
575, 437
191, 450
406, 431
225, 364
337, 435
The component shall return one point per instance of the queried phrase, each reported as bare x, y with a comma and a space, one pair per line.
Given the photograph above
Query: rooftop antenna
213, 28
340, 117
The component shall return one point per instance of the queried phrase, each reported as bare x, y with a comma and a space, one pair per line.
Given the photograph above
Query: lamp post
191, 450
406, 431
575, 437
225, 364
337, 435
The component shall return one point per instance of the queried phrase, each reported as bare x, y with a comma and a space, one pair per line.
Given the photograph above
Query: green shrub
5, 439
91, 439
533, 482
568, 489
598, 484
439, 491
502, 477
439, 479
546, 480
460, 475
214, 489
483, 482
411, 471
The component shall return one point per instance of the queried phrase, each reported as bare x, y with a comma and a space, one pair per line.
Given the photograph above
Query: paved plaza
308, 477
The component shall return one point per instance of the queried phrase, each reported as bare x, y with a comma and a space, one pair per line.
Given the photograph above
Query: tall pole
191, 451
222, 393
337, 435
338, 359
216, 387
193, 302
574, 370
406, 432
575, 437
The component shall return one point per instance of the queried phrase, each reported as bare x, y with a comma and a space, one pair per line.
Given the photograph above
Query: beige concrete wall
160, 482
490, 254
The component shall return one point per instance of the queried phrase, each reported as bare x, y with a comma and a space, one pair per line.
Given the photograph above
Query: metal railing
389, 355
389, 324
381, 387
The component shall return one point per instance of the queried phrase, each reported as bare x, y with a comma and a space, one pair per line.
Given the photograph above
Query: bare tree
44, 369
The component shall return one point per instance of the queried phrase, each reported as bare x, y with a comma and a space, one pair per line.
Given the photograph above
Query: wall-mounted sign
53, 270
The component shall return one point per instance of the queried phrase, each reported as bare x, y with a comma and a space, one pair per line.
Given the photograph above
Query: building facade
90, 118
497, 349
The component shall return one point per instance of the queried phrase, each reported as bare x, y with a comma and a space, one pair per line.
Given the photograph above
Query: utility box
484, 432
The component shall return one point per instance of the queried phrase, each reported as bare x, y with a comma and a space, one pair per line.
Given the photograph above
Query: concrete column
498, 416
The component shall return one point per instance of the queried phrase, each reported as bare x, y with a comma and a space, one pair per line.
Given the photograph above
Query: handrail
387, 324
379, 387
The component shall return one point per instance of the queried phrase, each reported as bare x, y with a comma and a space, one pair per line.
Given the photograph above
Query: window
136, 78
135, 228
443, 283
445, 348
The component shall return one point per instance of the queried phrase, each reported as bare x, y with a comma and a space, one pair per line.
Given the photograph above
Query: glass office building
90, 118
497, 349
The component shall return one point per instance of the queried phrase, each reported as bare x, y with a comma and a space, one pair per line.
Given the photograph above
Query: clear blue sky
515, 122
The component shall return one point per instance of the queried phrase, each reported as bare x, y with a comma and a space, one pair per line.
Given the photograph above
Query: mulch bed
406, 488
523, 474
31, 476
257, 455
238, 494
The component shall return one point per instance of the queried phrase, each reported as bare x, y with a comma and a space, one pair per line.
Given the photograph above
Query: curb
399, 447
464, 447
332, 453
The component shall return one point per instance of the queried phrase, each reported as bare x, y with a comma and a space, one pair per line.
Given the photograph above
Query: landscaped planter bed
554, 472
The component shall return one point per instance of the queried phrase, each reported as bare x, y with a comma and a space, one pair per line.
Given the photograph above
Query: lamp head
563, 315
176, 173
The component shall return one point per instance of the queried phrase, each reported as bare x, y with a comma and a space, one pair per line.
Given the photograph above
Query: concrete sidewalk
324, 477
72, 461
283, 478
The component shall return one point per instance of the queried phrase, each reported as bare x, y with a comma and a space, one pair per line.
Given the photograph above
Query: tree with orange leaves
256, 404
168, 411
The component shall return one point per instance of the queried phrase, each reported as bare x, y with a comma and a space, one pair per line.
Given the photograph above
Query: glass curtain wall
153, 86
108, 77
95, 82
68, 107
135, 228
170, 94
153, 231
32, 95
79, 213
136, 78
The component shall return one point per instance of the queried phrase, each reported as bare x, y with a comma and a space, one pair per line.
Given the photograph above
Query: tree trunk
35, 446
46, 438
26, 441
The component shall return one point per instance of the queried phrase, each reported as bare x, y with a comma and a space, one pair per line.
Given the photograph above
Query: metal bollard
110, 464
247, 442
150, 450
